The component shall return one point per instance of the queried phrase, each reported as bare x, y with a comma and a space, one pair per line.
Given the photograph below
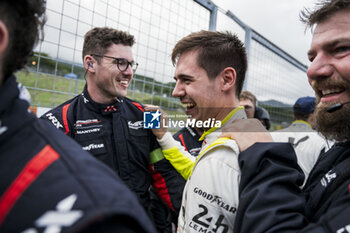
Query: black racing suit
271, 201
115, 135
48, 183
189, 139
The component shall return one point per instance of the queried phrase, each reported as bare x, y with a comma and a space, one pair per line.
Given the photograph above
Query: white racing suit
307, 143
210, 197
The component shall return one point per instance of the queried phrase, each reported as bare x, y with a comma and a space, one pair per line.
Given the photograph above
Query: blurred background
55, 72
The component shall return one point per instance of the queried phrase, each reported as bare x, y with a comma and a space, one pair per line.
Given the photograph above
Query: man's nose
178, 90
129, 71
320, 67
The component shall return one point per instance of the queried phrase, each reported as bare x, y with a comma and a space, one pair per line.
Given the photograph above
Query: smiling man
209, 74
270, 201
329, 74
109, 125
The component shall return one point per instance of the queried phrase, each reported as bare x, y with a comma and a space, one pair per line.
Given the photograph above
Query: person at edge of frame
47, 182
270, 197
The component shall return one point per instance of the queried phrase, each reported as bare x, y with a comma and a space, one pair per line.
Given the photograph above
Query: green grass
51, 91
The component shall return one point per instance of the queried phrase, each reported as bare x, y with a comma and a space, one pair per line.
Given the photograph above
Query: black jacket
271, 201
115, 135
48, 182
189, 139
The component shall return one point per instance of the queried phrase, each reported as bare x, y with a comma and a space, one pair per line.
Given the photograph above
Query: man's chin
121, 94
192, 115
335, 125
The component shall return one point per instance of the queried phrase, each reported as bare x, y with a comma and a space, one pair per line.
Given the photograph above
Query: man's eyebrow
337, 41
334, 43
184, 76
329, 45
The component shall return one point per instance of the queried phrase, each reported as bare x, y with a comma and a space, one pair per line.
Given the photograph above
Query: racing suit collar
237, 113
13, 108
104, 109
302, 123
214, 133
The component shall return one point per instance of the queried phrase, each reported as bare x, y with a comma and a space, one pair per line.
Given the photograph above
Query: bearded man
270, 200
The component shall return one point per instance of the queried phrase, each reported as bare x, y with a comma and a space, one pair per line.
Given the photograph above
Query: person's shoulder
222, 150
77, 172
68, 102
82, 166
58, 111
133, 104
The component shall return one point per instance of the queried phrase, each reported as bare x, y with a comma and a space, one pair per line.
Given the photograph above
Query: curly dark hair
322, 11
99, 39
216, 51
24, 20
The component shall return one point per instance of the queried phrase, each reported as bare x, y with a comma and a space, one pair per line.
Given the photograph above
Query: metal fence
56, 73
276, 78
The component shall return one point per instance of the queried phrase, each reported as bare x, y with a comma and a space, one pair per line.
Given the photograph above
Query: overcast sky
276, 20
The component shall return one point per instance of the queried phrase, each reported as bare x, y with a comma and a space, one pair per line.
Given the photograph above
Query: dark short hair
322, 11
99, 39
24, 20
216, 51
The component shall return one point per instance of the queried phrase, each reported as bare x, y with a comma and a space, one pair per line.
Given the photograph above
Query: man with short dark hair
270, 199
110, 126
47, 182
209, 74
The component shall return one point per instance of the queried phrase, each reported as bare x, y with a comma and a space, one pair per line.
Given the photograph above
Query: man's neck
226, 108
97, 96
223, 113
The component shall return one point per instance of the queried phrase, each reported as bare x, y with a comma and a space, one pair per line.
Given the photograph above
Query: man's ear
228, 79
89, 63
4, 38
